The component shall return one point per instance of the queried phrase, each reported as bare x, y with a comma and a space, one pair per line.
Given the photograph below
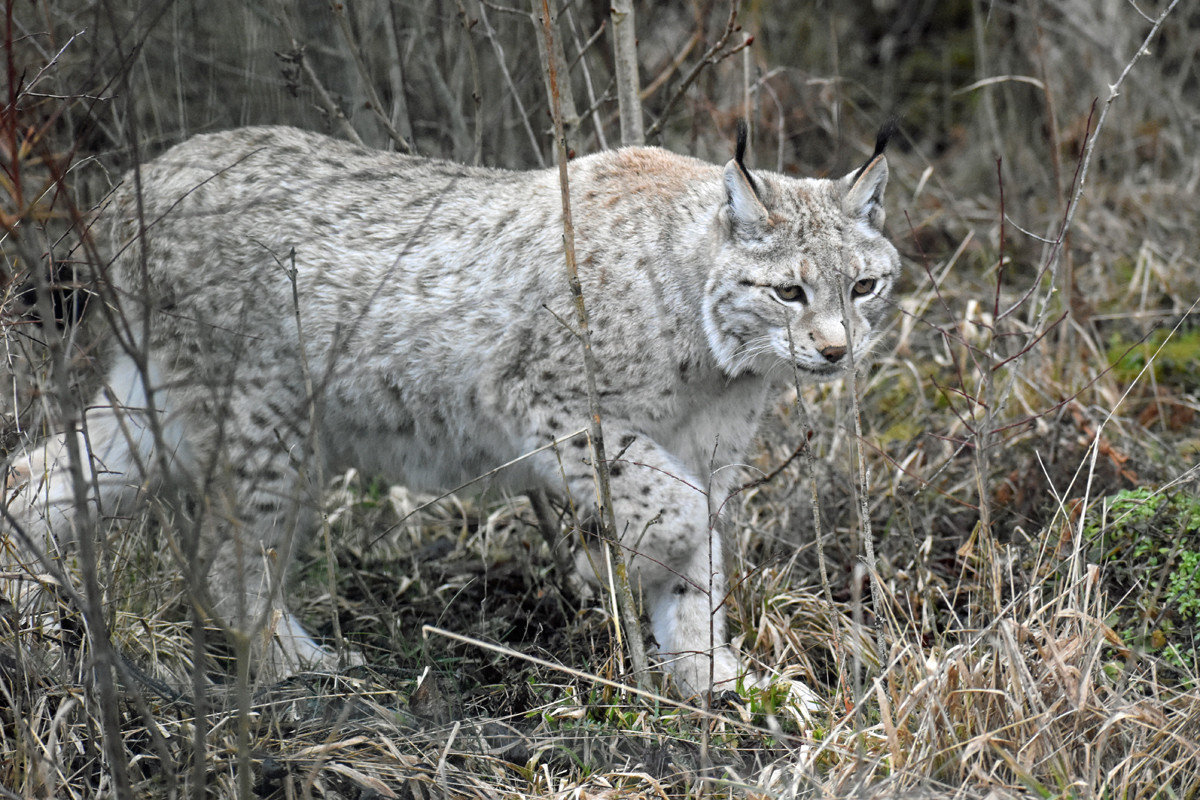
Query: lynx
305, 305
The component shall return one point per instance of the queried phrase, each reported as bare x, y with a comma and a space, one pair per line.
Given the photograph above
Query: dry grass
1023, 638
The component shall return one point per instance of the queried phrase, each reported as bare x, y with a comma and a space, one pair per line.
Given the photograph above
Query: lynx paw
800, 696
692, 674
290, 650
730, 675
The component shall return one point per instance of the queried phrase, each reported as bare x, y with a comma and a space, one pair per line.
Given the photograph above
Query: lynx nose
833, 354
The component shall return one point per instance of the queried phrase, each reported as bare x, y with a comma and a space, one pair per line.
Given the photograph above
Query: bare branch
476, 91
376, 105
625, 604
713, 55
512, 87
553, 58
325, 101
625, 64
592, 110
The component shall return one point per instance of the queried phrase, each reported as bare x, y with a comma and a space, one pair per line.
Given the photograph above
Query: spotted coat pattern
307, 305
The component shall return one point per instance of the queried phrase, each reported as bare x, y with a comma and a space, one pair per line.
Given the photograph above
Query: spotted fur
312, 305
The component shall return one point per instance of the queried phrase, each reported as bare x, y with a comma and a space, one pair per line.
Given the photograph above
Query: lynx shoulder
306, 305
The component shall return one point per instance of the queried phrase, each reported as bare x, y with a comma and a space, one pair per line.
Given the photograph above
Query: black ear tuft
739, 154
743, 132
886, 131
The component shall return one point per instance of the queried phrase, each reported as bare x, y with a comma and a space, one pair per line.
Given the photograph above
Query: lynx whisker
750, 352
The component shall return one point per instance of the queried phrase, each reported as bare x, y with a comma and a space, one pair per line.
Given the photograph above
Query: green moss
1123, 269
1150, 543
903, 430
1173, 359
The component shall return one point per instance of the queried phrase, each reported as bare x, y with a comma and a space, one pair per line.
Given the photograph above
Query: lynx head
802, 271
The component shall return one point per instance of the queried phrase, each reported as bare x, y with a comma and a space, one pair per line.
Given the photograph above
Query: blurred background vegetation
987, 93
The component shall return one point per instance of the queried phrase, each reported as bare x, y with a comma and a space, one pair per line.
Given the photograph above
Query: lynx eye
790, 294
863, 288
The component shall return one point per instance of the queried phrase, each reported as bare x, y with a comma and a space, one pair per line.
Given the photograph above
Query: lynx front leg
675, 561
244, 583
261, 506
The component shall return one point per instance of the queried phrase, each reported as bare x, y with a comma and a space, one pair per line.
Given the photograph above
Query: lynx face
806, 274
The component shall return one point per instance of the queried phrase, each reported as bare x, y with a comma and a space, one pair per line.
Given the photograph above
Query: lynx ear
863, 196
746, 209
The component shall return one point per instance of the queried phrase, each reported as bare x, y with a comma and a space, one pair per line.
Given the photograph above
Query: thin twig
1114, 91
476, 90
863, 487
673, 66
815, 501
582, 48
551, 52
713, 55
626, 608
376, 105
298, 57
554, 443
512, 87
658, 699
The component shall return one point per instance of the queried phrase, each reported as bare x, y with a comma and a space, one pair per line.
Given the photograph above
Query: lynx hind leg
675, 561
244, 585
114, 447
